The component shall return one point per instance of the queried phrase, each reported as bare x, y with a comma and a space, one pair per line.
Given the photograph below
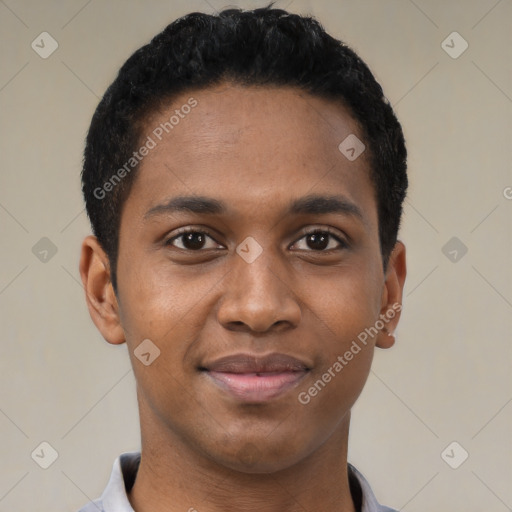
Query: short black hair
264, 46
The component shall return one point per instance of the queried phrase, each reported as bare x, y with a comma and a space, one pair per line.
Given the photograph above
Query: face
249, 256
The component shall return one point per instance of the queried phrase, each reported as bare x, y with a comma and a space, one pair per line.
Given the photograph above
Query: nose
257, 297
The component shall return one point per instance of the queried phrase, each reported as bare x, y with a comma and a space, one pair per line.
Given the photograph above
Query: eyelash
342, 243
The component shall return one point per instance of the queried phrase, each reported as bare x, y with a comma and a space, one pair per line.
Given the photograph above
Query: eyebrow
320, 205
308, 205
193, 204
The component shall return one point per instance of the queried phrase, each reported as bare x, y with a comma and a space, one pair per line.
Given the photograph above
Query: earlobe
99, 293
386, 339
391, 305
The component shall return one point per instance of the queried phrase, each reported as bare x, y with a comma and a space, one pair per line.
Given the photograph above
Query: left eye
321, 241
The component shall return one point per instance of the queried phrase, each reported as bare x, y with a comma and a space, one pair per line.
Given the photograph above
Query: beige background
448, 377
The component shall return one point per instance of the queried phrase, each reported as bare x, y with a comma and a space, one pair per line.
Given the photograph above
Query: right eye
192, 240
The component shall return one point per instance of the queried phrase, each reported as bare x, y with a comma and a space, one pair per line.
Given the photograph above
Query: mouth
254, 379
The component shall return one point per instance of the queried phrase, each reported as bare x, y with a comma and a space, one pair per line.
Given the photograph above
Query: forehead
286, 118
247, 144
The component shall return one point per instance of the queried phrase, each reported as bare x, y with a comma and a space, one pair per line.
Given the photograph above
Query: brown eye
192, 241
320, 241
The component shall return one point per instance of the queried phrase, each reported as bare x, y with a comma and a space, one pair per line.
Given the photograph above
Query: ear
391, 303
99, 292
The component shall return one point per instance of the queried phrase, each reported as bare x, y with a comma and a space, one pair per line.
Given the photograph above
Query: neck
173, 476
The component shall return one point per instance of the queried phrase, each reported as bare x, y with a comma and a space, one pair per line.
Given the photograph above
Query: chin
261, 457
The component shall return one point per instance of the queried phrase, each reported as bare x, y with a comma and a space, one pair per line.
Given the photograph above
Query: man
244, 177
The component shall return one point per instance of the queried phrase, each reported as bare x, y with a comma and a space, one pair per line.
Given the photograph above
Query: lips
256, 379
247, 363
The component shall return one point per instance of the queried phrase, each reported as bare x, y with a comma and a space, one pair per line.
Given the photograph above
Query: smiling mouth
253, 379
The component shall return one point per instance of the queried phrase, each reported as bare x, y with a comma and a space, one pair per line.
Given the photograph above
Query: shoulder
93, 506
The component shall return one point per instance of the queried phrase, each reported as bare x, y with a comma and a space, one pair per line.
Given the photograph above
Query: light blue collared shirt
115, 497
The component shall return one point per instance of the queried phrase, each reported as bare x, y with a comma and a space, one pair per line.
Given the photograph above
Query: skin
256, 150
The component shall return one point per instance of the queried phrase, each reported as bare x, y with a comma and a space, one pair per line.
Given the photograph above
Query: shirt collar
115, 498
369, 501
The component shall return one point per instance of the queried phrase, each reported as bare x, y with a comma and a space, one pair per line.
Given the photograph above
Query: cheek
343, 304
161, 301
342, 368
332, 393
151, 316
343, 312
158, 314
168, 307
